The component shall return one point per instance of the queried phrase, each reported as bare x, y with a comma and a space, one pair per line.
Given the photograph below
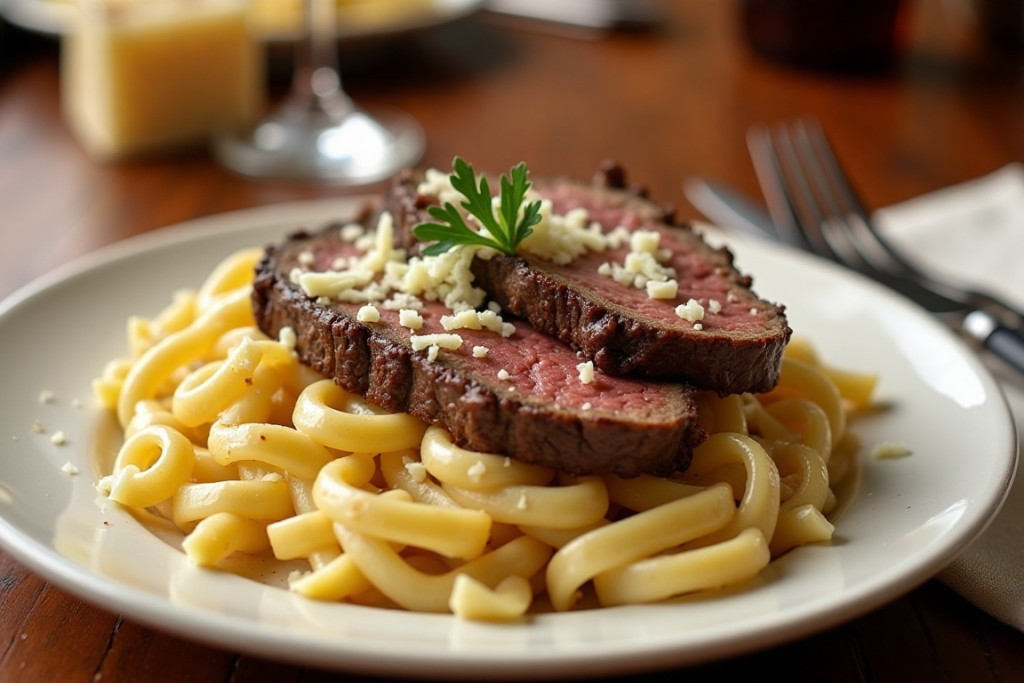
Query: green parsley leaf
506, 230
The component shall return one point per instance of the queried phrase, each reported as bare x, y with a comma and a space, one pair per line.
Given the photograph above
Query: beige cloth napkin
975, 231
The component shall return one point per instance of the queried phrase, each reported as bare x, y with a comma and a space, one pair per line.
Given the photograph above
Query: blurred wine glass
319, 133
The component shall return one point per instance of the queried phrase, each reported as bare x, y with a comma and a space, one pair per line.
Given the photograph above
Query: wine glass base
300, 142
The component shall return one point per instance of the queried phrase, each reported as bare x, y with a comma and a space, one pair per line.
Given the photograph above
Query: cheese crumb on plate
890, 449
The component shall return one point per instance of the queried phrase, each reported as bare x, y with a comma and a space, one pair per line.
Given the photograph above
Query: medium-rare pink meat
538, 410
737, 346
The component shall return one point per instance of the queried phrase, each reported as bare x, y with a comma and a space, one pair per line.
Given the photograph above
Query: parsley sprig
507, 229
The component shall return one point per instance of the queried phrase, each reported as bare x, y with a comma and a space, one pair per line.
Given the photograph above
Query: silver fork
814, 207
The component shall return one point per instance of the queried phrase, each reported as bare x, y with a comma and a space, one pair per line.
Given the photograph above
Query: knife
999, 332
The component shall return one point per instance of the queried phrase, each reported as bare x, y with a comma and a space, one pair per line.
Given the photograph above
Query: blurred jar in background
833, 35
141, 77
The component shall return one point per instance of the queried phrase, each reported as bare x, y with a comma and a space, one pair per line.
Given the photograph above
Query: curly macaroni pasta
247, 451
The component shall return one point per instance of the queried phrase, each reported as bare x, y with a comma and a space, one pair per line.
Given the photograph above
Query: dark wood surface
668, 103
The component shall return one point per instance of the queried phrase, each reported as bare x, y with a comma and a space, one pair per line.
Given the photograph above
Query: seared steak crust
654, 433
738, 350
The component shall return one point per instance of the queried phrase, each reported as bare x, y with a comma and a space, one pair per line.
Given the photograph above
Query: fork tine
876, 251
792, 183
873, 250
811, 201
830, 164
770, 176
795, 177
814, 207
835, 217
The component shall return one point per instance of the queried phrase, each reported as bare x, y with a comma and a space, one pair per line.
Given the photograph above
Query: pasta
247, 451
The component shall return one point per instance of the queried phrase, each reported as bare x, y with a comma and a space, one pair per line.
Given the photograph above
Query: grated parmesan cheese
417, 470
478, 320
69, 468
368, 314
691, 311
562, 239
480, 351
400, 300
352, 280
643, 267
444, 341
352, 232
662, 290
468, 320
410, 318
446, 278
890, 449
586, 371
58, 438
105, 485
297, 575
646, 241
287, 338
331, 283
503, 374
439, 184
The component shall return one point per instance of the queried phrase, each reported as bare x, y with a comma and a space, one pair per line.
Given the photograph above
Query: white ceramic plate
276, 20
910, 517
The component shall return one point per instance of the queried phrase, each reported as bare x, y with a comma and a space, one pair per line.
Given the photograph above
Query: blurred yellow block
154, 75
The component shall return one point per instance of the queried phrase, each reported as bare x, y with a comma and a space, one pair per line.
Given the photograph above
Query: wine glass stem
317, 78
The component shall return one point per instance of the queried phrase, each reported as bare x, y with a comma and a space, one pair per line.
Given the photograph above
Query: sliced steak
541, 414
737, 347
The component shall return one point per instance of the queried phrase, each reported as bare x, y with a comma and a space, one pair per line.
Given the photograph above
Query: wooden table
668, 104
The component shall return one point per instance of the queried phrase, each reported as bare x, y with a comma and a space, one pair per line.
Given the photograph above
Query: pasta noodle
247, 451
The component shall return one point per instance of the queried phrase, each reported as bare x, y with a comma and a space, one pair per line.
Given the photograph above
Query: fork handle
1004, 342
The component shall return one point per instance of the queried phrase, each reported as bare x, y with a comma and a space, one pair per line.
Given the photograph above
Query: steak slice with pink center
541, 413
737, 347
